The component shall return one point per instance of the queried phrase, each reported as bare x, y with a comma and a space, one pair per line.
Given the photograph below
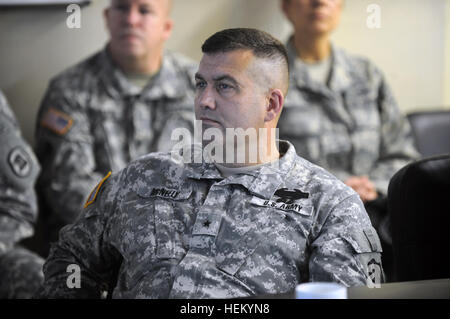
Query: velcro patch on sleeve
93, 195
57, 121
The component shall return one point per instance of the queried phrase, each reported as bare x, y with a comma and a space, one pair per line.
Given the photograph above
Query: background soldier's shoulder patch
93, 195
20, 161
57, 121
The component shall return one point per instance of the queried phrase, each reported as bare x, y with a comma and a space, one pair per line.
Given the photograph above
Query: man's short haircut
261, 43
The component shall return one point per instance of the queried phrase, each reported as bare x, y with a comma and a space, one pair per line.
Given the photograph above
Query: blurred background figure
117, 105
341, 114
20, 270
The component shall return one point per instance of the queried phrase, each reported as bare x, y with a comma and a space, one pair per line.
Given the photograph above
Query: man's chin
206, 123
130, 51
213, 131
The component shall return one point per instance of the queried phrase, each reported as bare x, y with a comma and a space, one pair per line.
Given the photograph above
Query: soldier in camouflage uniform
20, 270
164, 228
340, 112
119, 104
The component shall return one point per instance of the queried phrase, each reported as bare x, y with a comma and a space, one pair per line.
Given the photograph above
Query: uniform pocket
365, 241
266, 258
168, 233
170, 209
367, 247
232, 254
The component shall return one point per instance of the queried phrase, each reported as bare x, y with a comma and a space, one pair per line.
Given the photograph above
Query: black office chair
419, 205
431, 130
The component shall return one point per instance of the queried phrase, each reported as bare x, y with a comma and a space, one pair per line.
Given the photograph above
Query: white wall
446, 73
410, 46
35, 45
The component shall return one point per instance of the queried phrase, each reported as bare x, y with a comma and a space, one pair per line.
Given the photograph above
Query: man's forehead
165, 5
149, 2
131, 1
237, 60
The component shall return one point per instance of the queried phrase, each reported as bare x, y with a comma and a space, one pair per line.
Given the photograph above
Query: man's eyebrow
226, 78
219, 78
198, 76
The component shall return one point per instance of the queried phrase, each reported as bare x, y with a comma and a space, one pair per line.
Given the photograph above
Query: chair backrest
419, 207
431, 130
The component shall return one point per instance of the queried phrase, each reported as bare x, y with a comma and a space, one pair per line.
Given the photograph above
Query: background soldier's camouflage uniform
20, 270
351, 128
113, 123
162, 229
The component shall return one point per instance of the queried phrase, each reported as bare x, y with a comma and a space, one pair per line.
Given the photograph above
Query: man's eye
144, 10
223, 86
200, 84
121, 8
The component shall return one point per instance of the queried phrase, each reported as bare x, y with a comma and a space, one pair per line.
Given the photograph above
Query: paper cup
320, 290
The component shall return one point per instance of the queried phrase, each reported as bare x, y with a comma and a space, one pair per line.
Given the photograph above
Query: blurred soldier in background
20, 270
119, 104
340, 112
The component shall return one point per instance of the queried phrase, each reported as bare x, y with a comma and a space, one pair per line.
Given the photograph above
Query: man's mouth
209, 121
319, 15
130, 36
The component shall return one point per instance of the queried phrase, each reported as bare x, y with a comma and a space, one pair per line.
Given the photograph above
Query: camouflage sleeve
397, 146
340, 174
347, 249
64, 146
18, 172
82, 263
5, 110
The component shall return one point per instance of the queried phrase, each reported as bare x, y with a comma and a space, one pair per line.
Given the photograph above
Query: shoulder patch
93, 195
57, 121
20, 162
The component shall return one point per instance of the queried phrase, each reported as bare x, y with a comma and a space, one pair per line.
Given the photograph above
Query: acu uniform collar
262, 182
340, 78
167, 83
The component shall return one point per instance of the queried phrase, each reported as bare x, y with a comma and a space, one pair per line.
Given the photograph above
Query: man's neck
312, 49
149, 64
265, 156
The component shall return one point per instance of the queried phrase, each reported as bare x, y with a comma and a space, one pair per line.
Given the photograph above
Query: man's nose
206, 99
318, 3
132, 16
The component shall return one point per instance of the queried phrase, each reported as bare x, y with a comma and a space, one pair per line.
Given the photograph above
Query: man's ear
106, 13
275, 105
284, 7
168, 27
